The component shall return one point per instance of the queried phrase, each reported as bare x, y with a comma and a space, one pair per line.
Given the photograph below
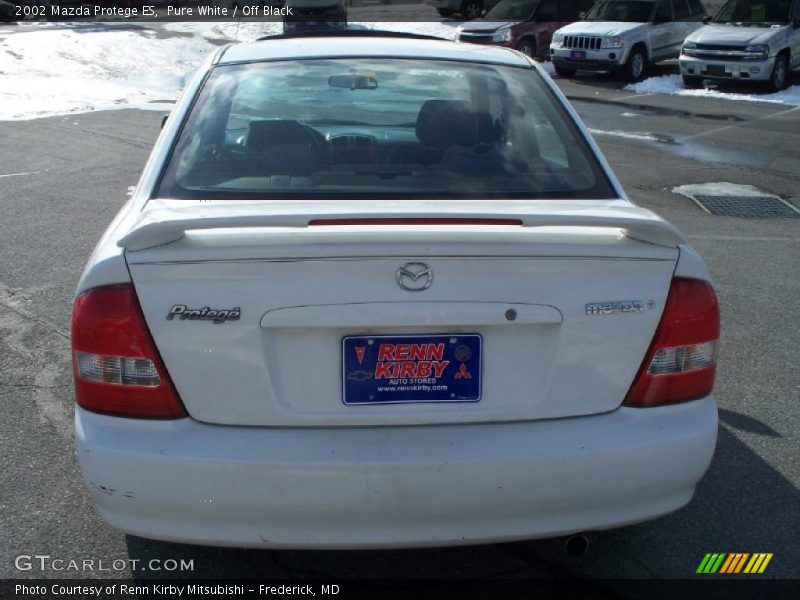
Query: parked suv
469, 9
625, 36
526, 25
748, 40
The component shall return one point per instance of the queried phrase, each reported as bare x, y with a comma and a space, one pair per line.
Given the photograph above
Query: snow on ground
719, 188
242, 32
673, 85
630, 135
446, 30
55, 69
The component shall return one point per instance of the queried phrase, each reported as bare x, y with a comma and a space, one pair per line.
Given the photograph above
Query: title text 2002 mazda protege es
387, 295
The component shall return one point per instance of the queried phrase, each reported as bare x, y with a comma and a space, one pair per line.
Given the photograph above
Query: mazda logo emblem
414, 276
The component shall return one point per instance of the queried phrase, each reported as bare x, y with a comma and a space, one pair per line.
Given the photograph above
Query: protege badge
616, 306
215, 315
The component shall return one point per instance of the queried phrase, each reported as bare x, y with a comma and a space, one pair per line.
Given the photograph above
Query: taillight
682, 360
115, 363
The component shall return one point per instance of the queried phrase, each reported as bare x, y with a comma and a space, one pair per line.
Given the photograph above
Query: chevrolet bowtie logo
359, 376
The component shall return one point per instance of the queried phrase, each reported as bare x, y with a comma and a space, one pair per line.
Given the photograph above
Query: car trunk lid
301, 291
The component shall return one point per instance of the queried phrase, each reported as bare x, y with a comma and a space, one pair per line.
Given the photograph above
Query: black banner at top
330, 12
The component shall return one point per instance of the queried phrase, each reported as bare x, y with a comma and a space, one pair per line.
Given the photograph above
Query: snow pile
719, 188
673, 84
57, 69
630, 135
241, 32
447, 30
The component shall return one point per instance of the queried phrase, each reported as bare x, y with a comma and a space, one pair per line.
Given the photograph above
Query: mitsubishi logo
414, 276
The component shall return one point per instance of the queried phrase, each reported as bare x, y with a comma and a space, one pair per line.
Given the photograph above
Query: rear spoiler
163, 226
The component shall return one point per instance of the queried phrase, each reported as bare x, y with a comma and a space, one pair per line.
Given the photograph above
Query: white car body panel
600, 28
718, 33
719, 39
271, 457
392, 487
159, 226
267, 372
306, 48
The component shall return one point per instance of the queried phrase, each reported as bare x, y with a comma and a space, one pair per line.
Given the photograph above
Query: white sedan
389, 295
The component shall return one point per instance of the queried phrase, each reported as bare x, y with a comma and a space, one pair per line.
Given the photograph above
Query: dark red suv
526, 25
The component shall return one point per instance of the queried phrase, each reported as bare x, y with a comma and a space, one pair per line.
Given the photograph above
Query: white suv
748, 40
625, 36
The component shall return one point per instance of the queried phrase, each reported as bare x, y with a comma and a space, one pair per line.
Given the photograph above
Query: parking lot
63, 178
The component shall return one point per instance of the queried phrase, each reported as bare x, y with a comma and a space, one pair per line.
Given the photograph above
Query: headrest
443, 123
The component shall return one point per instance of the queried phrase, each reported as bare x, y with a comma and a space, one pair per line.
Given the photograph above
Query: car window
569, 10
547, 11
379, 128
663, 11
628, 11
755, 11
696, 7
586, 5
680, 9
550, 146
512, 10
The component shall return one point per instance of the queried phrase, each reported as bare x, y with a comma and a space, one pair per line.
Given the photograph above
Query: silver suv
625, 36
748, 40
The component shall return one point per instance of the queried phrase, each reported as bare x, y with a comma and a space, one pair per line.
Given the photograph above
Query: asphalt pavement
62, 179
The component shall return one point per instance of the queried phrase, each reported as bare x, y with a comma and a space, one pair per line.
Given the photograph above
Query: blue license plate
577, 55
390, 369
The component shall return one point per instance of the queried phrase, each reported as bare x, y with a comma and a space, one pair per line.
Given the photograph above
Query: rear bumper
727, 70
372, 487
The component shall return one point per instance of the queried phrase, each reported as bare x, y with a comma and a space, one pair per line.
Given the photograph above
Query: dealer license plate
392, 369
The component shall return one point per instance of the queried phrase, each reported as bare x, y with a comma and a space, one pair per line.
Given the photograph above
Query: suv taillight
115, 363
682, 360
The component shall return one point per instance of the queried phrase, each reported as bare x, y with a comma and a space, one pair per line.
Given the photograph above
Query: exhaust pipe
577, 544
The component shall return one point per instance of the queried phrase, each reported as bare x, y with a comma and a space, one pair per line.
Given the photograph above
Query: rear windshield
379, 128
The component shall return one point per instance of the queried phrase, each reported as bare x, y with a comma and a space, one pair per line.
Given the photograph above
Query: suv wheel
527, 47
777, 81
564, 71
692, 82
471, 9
636, 67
